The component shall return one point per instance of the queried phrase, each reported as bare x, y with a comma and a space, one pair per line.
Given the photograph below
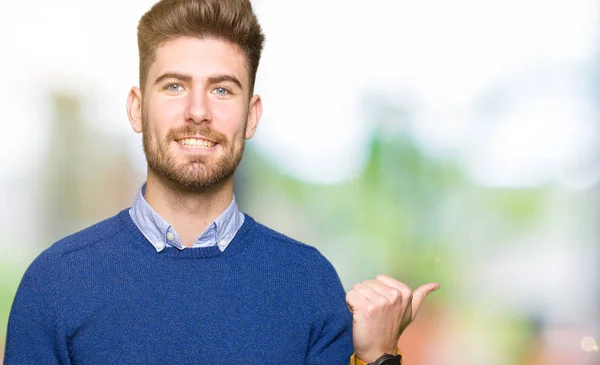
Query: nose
198, 107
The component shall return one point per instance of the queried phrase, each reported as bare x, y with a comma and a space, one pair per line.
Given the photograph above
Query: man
183, 277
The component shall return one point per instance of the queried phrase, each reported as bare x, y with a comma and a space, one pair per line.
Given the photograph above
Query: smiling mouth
196, 143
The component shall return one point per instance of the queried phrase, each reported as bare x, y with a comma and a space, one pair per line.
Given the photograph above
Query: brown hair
228, 20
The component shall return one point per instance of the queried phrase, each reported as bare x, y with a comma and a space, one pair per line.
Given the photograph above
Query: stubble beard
192, 173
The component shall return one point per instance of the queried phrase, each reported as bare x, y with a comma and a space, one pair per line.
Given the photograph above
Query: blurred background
449, 141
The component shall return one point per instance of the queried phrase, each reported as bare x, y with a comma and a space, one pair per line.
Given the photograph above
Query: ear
134, 109
254, 113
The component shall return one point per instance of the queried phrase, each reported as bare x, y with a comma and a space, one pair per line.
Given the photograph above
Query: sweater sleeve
331, 339
33, 336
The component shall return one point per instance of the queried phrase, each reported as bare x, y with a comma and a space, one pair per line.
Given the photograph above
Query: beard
191, 173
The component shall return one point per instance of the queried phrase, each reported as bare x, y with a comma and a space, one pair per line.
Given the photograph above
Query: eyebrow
173, 75
222, 78
211, 80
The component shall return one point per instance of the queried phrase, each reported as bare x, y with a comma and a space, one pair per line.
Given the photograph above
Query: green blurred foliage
404, 215
10, 275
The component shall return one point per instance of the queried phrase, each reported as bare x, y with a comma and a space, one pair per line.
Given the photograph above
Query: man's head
198, 61
228, 20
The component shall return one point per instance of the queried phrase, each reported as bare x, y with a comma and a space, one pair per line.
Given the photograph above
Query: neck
189, 212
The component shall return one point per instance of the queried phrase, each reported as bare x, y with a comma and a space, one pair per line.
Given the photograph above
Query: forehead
199, 58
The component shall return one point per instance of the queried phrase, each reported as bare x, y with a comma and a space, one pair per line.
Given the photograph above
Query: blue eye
221, 91
174, 87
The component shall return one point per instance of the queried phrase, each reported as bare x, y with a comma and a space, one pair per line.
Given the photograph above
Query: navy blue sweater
105, 296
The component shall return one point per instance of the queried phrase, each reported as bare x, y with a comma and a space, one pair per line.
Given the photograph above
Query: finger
393, 295
404, 289
369, 293
354, 299
419, 296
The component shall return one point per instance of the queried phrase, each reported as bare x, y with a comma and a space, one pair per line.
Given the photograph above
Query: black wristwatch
387, 359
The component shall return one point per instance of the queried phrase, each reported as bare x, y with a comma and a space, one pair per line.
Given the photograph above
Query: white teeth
196, 142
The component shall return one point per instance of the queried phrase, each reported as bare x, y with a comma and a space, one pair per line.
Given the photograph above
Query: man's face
196, 112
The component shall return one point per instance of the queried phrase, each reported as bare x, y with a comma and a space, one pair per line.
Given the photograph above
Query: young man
183, 277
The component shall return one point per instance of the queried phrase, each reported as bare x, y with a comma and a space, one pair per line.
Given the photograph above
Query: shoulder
303, 266
36, 305
79, 241
277, 240
276, 244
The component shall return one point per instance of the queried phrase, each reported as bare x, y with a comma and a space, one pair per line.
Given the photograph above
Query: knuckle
370, 311
406, 292
381, 302
394, 294
403, 287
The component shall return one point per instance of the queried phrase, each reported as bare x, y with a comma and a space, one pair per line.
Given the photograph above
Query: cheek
230, 120
163, 115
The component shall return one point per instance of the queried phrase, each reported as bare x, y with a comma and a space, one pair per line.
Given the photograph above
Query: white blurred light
445, 54
543, 137
588, 344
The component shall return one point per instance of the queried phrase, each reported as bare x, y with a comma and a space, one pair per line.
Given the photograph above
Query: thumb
419, 296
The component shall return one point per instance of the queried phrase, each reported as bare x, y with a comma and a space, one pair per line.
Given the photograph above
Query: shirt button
170, 236
160, 245
222, 243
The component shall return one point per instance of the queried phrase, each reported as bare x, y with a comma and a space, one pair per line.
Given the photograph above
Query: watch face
391, 362
387, 359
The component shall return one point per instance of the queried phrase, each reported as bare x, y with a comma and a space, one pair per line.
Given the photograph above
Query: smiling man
183, 277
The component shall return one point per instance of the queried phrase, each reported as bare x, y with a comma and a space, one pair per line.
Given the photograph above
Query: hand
382, 309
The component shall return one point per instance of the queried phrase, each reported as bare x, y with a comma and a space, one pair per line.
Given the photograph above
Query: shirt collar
161, 234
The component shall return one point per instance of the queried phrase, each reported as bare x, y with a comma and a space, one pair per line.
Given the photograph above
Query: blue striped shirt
161, 234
